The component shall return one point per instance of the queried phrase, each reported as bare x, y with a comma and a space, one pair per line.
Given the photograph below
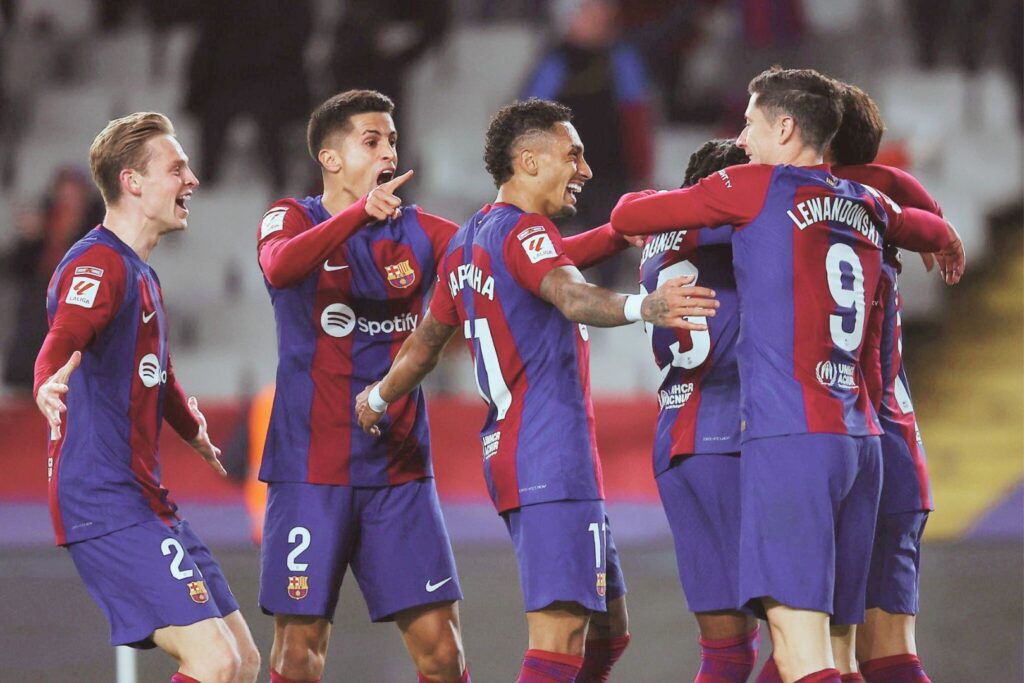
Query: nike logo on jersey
431, 587
146, 317
329, 268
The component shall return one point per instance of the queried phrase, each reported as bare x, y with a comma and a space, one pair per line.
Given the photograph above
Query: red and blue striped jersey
699, 395
346, 293
106, 302
807, 258
531, 362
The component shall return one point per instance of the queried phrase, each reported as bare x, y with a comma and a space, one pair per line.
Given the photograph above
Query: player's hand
676, 300
952, 260
367, 416
382, 203
929, 261
202, 443
52, 390
635, 240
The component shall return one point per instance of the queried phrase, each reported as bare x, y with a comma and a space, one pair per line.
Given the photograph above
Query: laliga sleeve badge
197, 591
298, 587
83, 291
400, 275
539, 247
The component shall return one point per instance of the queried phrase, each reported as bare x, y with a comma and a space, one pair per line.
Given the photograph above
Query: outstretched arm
595, 246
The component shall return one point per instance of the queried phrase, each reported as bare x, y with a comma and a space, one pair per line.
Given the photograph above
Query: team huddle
786, 451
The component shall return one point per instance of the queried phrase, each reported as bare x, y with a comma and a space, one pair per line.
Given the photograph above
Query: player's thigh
894, 579
213, 575
404, 557
563, 550
855, 534
700, 495
308, 538
144, 578
431, 629
206, 643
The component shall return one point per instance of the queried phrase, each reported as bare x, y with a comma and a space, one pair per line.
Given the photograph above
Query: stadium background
947, 78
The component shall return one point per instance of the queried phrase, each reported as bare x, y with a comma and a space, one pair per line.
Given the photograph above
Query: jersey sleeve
904, 188
910, 228
733, 196
442, 305
176, 410
532, 249
440, 231
289, 249
89, 293
594, 246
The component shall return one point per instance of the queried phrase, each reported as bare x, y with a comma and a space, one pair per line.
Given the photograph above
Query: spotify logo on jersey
150, 372
338, 320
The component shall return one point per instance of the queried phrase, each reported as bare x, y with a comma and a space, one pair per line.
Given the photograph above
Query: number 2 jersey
346, 291
105, 301
699, 395
532, 363
807, 258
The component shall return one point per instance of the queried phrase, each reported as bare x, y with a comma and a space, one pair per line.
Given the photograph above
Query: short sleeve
442, 305
533, 248
283, 220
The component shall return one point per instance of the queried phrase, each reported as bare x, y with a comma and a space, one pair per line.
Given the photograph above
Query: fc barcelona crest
298, 587
400, 275
602, 583
197, 590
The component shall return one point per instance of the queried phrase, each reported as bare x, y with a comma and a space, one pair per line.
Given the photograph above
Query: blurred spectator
959, 25
44, 234
250, 64
604, 81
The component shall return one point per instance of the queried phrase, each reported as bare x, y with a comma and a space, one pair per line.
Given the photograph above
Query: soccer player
508, 286
105, 382
697, 438
347, 273
807, 255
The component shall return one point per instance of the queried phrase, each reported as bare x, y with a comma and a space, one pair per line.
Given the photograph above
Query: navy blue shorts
394, 538
895, 576
808, 526
148, 576
565, 553
701, 497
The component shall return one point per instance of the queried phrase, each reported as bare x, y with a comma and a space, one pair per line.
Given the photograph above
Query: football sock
823, 676
540, 666
182, 678
599, 658
420, 678
896, 669
278, 678
769, 672
851, 678
728, 660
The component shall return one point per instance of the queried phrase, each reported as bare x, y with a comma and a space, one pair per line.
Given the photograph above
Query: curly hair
860, 133
712, 156
813, 100
510, 125
336, 113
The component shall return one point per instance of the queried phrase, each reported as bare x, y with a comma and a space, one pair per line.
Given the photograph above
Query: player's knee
296, 656
221, 663
444, 659
249, 663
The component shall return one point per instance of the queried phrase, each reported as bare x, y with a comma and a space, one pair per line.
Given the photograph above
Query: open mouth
385, 175
573, 189
180, 202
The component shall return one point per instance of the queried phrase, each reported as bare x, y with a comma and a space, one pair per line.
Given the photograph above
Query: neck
337, 197
132, 228
803, 156
515, 194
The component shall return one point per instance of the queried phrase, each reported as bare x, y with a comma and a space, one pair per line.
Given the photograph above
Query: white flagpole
127, 664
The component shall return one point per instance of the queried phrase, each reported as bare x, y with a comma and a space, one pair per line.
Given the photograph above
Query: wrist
376, 401
632, 308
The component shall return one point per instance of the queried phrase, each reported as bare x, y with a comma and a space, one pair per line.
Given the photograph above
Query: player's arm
733, 196
288, 253
188, 421
417, 357
597, 245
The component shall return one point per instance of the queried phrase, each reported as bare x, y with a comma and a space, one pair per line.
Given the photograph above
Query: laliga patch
539, 248
83, 291
272, 222
89, 270
529, 231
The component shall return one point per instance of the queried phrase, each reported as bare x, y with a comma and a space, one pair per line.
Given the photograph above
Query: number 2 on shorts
302, 535
171, 545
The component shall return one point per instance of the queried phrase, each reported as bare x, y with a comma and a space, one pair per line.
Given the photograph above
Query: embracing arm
594, 246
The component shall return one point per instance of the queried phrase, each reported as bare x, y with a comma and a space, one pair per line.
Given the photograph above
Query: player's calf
731, 656
607, 638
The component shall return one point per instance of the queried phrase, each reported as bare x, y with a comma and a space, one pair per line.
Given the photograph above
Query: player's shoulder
94, 257
430, 222
527, 224
287, 212
741, 176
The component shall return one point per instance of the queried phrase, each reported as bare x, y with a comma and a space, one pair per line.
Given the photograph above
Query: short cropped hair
510, 125
811, 98
122, 144
860, 133
712, 156
336, 115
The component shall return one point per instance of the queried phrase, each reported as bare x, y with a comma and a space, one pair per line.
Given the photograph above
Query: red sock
851, 678
599, 658
769, 672
278, 678
420, 678
728, 660
540, 666
895, 669
182, 678
823, 676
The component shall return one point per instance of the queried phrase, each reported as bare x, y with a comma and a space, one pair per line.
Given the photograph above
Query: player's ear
330, 160
129, 179
787, 128
528, 161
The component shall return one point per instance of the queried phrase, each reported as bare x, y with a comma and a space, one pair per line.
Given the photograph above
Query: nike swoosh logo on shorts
328, 267
146, 318
431, 587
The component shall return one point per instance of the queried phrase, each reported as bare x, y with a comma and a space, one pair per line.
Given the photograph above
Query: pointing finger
395, 183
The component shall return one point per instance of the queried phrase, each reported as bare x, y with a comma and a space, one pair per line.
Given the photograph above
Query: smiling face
365, 155
562, 170
165, 184
761, 135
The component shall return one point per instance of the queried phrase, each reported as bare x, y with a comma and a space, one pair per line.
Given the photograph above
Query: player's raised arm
596, 245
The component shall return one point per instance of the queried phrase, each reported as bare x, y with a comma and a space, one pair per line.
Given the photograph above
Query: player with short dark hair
697, 437
105, 382
807, 253
508, 285
347, 273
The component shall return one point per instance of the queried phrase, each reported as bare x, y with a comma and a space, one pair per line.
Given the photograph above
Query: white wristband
374, 400
632, 308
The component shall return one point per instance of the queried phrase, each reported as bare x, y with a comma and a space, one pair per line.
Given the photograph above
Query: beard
567, 211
